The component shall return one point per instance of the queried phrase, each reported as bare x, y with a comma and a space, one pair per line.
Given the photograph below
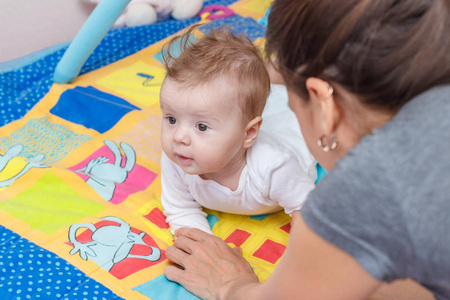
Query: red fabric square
270, 251
286, 227
157, 217
238, 237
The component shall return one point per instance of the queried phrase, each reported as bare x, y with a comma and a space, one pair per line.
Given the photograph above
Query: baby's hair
220, 55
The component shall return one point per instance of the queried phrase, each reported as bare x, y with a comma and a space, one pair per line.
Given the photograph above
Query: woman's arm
311, 268
402, 289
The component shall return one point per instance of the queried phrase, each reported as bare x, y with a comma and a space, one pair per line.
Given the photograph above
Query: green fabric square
50, 204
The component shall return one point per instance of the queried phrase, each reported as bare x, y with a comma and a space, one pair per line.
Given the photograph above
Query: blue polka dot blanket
80, 187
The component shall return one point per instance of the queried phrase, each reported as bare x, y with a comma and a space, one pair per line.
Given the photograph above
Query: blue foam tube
91, 33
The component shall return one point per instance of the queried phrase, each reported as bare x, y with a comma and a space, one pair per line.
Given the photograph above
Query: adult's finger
212, 267
184, 243
176, 255
238, 250
174, 273
192, 233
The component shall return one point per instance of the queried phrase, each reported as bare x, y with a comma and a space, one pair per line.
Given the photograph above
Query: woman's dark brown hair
385, 51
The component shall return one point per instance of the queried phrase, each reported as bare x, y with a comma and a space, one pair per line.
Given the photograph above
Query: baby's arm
180, 209
289, 184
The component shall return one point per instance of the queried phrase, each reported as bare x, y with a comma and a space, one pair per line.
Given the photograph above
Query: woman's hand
310, 268
210, 268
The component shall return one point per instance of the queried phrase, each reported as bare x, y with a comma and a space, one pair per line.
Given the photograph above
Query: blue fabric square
212, 220
161, 288
92, 108
41, 137
259, 217
321, 172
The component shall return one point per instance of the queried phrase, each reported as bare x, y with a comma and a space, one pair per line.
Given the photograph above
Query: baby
214, 153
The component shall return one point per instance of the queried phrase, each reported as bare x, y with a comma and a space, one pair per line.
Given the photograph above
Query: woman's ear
251, 131
321, 94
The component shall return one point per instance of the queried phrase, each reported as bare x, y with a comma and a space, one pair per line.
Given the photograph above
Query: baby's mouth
184, 160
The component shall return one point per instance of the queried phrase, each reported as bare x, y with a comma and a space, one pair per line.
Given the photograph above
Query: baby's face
201, 131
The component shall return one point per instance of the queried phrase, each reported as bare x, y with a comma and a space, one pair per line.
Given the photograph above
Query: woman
369, 81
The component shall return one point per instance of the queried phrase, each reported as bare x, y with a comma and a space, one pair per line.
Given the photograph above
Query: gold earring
326, 148
330, 91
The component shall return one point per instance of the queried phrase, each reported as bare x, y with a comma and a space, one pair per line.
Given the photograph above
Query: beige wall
27, 26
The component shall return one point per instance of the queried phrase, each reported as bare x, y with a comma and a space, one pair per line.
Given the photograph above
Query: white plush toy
144, 12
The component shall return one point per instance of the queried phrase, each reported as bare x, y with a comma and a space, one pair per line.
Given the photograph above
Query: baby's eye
202, 127
172, 120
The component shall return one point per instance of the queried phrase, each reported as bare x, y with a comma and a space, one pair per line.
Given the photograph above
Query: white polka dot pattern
28, 271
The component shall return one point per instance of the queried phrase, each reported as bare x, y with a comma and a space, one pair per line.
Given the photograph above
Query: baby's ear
251, 131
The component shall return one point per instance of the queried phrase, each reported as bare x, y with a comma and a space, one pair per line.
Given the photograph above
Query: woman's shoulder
413, 139
388, 198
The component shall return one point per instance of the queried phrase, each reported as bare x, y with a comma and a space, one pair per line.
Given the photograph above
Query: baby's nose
181, 136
